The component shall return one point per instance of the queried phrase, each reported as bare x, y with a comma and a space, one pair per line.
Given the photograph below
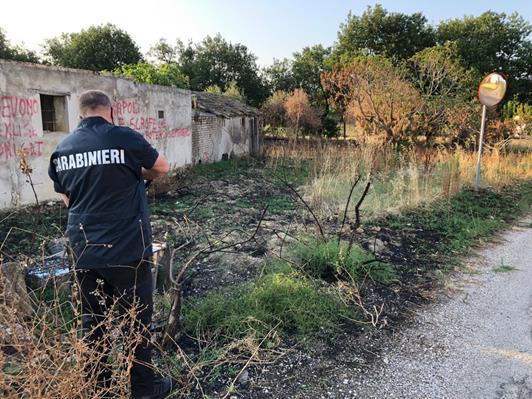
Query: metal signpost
490, 93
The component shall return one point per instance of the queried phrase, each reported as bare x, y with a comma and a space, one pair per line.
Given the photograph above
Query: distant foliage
216, 62
519, 116
164, 53
279, 76
234, 91
15, 53
494, 42
396, 36
164, 74
97, 48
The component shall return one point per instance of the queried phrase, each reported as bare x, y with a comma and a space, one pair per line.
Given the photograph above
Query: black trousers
103, 291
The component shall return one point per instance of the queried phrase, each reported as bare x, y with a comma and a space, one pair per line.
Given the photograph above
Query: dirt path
477, 343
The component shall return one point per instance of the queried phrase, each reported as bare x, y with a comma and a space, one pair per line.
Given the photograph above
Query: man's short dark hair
92, 99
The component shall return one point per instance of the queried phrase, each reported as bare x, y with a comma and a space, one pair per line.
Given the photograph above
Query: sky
270, 29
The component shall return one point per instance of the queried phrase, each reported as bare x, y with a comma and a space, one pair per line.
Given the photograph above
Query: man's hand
160, 168
65, 199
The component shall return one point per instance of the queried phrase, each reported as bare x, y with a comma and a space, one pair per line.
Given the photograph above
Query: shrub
332, 259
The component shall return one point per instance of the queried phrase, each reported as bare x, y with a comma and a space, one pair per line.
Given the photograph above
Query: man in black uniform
100, 169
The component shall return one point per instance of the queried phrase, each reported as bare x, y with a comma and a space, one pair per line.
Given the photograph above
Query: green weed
286, 303
326, 259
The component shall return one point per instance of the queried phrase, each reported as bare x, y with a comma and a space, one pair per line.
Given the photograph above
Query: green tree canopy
397, 36
279, 76
216, 62
163, 52
165, 74
97, 48
494, 42
16, 53
307, 68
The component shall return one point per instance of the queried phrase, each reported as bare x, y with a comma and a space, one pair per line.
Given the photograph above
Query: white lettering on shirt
89, 158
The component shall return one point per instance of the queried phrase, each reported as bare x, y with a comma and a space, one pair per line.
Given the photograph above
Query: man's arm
65, 199
160, 168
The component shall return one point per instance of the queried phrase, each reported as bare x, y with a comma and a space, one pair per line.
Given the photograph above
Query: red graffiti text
32, 148
14, 107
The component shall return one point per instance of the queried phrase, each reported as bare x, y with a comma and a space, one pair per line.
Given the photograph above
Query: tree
494, 42
214, 61
97, 48
378, 96
164, 53
15, 53
273, 110
299, 112
377, 32
448, 90
165, 74
279, 76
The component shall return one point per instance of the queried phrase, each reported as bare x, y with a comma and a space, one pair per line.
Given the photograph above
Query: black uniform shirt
98, 167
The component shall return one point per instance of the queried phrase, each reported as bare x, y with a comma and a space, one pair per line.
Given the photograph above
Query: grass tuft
330, 259
288, 303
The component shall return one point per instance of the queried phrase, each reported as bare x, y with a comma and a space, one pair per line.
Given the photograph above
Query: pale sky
270, 29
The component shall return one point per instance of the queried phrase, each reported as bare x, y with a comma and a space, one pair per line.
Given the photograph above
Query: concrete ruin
39, 106
223, 127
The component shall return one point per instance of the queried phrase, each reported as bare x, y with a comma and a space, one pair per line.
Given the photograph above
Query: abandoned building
39, 106
223, 127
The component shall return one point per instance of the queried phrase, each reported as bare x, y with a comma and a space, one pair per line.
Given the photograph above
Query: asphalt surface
473, 343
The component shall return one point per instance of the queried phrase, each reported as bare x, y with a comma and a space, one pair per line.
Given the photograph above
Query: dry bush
43, 355
377, 96
299, 113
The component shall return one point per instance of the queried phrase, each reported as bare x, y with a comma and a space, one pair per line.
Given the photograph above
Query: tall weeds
401, 179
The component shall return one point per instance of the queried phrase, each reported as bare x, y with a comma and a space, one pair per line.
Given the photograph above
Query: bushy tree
279, 76
214, 61
97, 48
378, 96
234, 91
15, 53
396, 36
307, 67
165, 74
300, 114
494, 42
163, 52
273, 110
448, 90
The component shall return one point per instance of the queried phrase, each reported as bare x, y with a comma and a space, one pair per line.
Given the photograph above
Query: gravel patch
477, 343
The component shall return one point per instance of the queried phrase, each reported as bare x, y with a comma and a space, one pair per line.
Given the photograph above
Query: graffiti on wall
128, 112
16, 127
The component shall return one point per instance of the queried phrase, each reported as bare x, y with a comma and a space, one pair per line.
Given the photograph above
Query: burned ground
223, 203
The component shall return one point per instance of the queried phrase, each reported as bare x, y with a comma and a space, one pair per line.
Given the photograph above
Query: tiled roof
221, 105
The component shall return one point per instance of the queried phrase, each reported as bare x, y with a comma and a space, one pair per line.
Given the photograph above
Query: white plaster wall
171, 135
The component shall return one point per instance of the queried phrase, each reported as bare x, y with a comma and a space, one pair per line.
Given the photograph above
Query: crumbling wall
161, 114
216, 137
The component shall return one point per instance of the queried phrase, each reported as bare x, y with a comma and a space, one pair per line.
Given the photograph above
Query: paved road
476, 344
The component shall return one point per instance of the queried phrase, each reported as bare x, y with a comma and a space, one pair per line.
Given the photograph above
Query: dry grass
400, 179
43, 355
